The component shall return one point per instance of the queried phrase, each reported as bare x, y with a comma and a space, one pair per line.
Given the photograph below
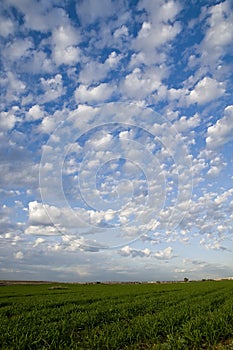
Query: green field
194, 315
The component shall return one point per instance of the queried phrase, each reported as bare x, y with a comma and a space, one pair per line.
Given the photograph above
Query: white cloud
128, 251
85, 94
38, 214
38, 241
101, 141
140, 84
8, 120
53, 88
34, 113
69, 55
18, 48
222, 131
45, 219
118, 184
47, 125
113, 60
206, 90
89, 11
125, 135
12, 87
94, 71
214, 171
37, 62
40, 16
122, 31
160, 28
43, 230
72, 243
185, 124
164, 254
176, 94
151, 37
65, 50
6, 26
217, 164
19, 255
65, 36
219, 35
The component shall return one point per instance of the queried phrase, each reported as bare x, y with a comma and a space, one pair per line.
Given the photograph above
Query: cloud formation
116, 124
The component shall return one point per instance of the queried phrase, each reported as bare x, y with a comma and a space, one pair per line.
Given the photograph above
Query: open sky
116, 139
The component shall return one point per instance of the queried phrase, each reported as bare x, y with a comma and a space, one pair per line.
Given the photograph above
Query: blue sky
116, 136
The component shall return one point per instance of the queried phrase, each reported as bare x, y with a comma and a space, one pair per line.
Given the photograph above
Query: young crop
146, 316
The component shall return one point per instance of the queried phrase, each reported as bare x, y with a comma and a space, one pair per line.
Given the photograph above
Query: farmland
194, 315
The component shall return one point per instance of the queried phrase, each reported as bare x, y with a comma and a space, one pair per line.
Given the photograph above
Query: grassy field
194, 315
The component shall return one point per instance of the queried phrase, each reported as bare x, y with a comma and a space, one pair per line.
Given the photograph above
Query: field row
148, 316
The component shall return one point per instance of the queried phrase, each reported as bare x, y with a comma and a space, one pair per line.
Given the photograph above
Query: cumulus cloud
6, 26
12, 87
34, 113
129, 251
90, 11
86, 165
222, 131
85, 94
164, 254
38, 214
19, 255
65, 50
140, 84
95, 71
161, 28
19, 49
45, 219
53, 88
219, 34
206, 90
185, 124
38, 241
40, 16
122, 31
8, 119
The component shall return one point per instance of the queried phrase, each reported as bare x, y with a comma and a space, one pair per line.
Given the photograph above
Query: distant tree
186, 279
